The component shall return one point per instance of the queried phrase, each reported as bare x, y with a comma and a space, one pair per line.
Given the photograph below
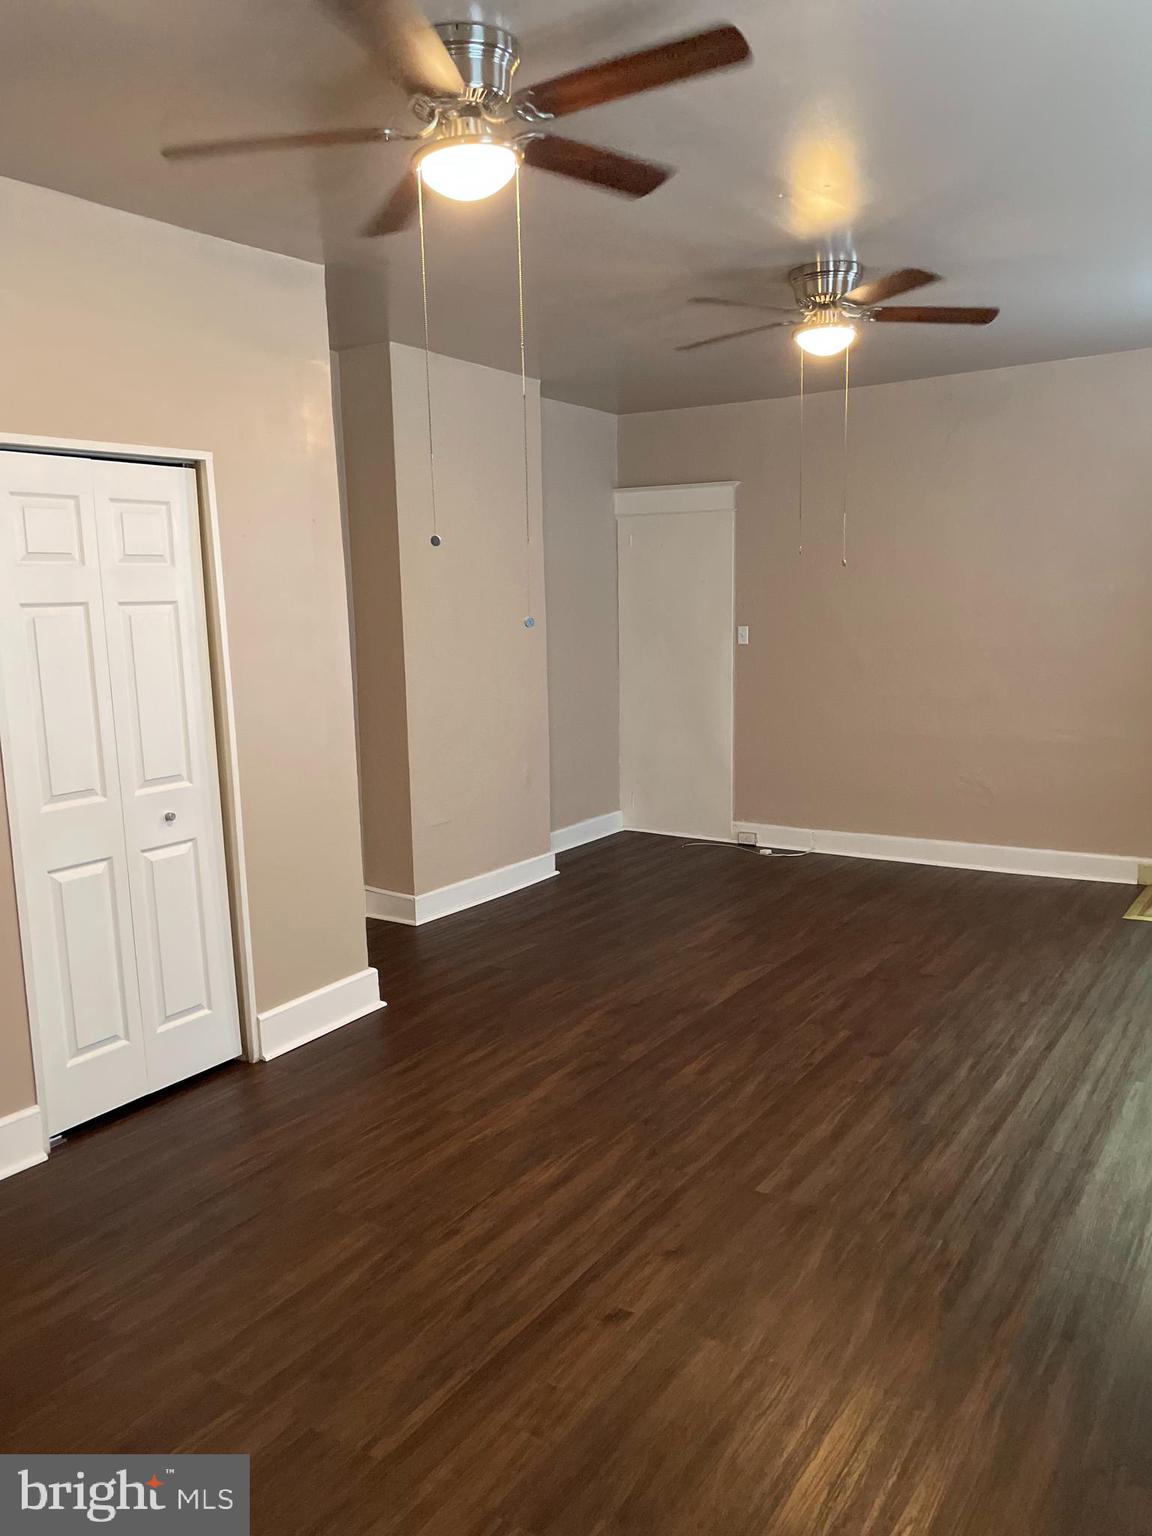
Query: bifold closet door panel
63, 785
148, 529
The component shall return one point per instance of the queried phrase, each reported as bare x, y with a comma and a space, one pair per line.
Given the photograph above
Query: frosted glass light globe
825, 340
468, 172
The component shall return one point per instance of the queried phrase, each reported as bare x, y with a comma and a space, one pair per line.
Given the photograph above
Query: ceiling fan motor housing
486, 56
820, 285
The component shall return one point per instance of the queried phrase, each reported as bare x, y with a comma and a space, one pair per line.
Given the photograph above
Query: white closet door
676, 611
63, 786
148, 531
112, 781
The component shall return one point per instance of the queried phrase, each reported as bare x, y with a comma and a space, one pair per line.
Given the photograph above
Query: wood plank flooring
689, 1194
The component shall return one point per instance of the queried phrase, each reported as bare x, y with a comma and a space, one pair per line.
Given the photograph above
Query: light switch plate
742, 634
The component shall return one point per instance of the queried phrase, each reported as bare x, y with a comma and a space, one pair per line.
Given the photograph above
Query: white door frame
705, 496
224, 711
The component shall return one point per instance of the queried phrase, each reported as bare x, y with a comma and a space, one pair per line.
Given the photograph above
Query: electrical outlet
746, 839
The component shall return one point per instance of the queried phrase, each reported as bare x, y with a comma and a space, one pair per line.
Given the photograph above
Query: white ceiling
1004, 145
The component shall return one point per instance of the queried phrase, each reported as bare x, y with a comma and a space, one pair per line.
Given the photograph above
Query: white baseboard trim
396, 907
390, 906
481, 888
590, 831
996, 858
683, 837
21, 1141
318, 1013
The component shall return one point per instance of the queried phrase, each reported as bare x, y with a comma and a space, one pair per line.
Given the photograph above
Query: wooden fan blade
635, 72
770, 309
773, 325
921, 314
398, 212
888, 287
322, 138
398, 36
598, 167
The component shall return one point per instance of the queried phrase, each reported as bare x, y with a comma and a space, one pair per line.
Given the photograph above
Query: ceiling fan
831, 299
476, 129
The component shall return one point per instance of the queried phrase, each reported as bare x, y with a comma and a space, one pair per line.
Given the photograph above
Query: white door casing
108, 712
676, 658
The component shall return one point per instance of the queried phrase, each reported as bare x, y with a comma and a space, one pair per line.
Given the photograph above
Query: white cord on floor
767, 853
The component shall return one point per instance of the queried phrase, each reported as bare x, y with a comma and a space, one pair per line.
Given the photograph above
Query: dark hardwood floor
689, 1194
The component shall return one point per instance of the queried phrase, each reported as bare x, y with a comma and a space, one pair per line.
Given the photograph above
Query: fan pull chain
844, 486
800, 498
427, 360
529, 621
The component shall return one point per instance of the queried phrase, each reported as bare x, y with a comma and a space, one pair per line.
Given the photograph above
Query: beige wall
980, 671
374, 564
474, 679
579, 467
477, 679
120, 329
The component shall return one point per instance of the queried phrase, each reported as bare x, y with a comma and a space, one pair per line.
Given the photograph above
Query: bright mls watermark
189, 1495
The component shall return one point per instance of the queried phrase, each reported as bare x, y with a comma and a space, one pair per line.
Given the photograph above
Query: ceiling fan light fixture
827, 338
467, 170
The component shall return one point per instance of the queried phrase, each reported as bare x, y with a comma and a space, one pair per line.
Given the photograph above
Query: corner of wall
367, 434
579, 456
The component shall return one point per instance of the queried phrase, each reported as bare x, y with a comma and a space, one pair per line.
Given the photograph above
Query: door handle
169, 817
